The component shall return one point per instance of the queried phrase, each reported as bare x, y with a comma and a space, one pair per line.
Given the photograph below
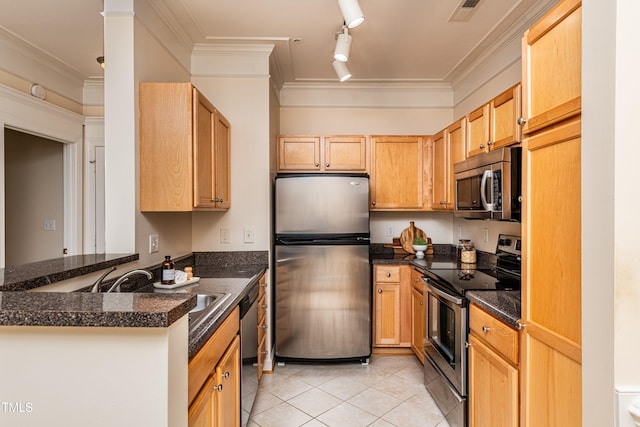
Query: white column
120, 129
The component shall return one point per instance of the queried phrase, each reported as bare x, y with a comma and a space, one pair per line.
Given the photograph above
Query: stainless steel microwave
489, 186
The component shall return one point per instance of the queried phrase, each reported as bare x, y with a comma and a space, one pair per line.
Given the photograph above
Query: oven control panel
509, 243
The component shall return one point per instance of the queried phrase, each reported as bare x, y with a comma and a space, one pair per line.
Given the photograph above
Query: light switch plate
224, 235
248, 234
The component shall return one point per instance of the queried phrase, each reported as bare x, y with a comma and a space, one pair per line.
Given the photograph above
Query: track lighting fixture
343, 45
352, 13
341, 70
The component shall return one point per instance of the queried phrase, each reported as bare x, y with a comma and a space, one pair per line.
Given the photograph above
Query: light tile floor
387, 392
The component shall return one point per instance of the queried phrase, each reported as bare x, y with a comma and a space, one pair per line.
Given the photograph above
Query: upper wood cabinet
398, 173
184, 150
309, 153
551, 61
449, 148
495, 124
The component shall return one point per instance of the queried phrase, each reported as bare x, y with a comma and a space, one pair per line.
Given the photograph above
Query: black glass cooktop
462, 280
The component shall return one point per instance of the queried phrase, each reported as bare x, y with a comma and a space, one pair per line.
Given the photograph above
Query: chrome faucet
96, 285
126, 276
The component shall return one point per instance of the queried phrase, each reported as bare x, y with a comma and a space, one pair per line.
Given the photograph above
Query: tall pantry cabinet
551, 343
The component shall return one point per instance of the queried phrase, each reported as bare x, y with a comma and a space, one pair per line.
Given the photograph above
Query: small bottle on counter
168, 276
468, 254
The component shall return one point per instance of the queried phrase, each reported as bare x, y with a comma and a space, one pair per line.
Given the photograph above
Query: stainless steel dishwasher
249, 351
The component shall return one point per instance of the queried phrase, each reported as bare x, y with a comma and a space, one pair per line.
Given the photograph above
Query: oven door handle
441, 293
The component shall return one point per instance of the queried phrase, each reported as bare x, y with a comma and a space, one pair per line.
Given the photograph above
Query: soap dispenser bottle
168, 275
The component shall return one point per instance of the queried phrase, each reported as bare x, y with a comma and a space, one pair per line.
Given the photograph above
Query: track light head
351, 12
343, 46
341, 70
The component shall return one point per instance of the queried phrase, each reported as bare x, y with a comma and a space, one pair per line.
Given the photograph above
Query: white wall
34, 191
245, 103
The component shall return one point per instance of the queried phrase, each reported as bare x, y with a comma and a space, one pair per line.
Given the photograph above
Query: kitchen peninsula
107, 359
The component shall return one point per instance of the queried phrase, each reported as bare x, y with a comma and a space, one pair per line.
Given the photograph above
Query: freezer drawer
323, 302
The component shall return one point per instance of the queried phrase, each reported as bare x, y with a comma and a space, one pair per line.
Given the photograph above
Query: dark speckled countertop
144, 306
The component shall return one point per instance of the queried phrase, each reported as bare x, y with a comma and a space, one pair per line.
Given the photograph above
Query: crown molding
366, 95
231, 60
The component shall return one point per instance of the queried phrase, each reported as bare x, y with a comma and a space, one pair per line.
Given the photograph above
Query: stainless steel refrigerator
322, 272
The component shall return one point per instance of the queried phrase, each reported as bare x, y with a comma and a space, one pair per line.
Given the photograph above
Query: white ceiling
406, 41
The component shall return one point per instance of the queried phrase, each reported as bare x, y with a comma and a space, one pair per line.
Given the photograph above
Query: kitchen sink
206, 305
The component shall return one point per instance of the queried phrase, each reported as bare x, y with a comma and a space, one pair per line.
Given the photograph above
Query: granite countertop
505, 305
235, 280
92, 309
36, 274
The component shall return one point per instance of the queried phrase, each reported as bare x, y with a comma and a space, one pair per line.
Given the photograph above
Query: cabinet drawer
498, 335
387, 274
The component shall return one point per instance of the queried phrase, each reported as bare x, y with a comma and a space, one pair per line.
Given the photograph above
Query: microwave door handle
483, 189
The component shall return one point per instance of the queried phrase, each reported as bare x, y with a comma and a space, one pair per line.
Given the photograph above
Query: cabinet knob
373, 203
264, 305
481, 145
421, 302
217, 200
264, 352
217, 387
521, 121
489, 143
265, 326
415, 279
327, 164
226, 375
486, 329
264, 285
388, 274
317, 164
379, 290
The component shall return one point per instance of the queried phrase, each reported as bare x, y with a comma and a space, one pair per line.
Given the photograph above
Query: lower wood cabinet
262, 324
392, 306
493, 371
214, 378
418, 315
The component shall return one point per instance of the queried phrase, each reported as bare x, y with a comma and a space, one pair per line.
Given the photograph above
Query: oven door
447, 334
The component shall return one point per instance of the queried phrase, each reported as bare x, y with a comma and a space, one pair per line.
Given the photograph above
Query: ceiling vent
464, 10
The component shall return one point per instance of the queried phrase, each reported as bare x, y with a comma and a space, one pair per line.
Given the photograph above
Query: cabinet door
457, 147
228, 378
552, 63
551, 279
299, 153
203, 140
418, 315
387, 310
202, 410
505, 110
493, 388
397, 172
222, 168
345, 153
440, 171
478, 131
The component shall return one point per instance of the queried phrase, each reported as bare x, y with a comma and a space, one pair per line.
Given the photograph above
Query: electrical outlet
248, 235
224, 235
486, 235
50, 225
389, 230
154, 243
459, 232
